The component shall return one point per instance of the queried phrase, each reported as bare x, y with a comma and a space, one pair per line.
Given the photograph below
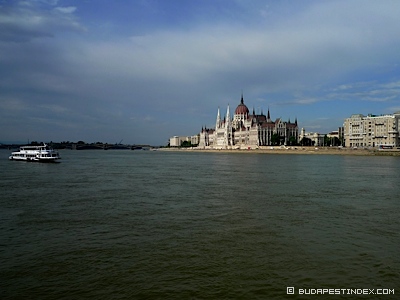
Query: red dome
241, 109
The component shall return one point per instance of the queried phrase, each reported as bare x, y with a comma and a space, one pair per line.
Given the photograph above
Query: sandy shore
297, 150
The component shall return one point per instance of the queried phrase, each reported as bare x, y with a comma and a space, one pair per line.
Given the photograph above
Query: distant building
206, 137
341, 135
247, 130
177, 141
311, 138
333, 138
195, 139
336, 137
372, 130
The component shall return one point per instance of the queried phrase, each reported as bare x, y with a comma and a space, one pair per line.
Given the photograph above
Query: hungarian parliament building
248, 131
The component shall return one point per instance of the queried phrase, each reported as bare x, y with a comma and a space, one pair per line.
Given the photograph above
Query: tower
218, 122
228, 129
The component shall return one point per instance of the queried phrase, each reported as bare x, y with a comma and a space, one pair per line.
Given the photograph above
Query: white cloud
55, 108
10, 105
367, 91
26, 21
66, 10
393, 109
307, 101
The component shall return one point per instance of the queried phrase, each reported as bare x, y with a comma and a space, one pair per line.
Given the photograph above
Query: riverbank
296, 150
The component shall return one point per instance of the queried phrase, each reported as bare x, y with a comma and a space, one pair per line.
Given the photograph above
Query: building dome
241, 109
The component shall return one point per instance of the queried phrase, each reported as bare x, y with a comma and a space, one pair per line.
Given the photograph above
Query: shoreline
296, 150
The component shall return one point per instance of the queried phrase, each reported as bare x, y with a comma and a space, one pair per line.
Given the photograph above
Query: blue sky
145, 70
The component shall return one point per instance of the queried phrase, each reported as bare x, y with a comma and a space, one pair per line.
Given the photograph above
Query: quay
296, 150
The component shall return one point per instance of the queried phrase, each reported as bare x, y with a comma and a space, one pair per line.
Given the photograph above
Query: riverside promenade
297, 150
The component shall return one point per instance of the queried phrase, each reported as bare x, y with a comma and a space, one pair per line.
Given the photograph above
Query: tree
275, 139
292, 141
186, 144
327, 140
335, 141
306, 142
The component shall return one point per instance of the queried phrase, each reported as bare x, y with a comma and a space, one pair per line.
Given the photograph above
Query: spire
254, 113
268, 116
218, 122
228, 129
295, 121
241, 100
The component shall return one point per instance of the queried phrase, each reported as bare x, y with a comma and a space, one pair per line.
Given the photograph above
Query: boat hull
34, 159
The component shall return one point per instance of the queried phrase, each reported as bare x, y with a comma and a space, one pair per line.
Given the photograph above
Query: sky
143, 71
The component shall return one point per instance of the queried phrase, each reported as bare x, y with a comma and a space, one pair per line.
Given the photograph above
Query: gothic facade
245, 130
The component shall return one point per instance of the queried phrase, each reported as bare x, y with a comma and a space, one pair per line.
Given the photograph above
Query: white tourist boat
43, 153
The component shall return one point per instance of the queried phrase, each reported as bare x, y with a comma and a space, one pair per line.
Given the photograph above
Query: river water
123, 224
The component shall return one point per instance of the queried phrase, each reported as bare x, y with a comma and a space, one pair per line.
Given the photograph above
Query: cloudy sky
145, 70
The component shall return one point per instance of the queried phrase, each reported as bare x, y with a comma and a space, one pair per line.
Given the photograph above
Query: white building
372, 130
176, 141
315, 138
194, 139
246, 130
